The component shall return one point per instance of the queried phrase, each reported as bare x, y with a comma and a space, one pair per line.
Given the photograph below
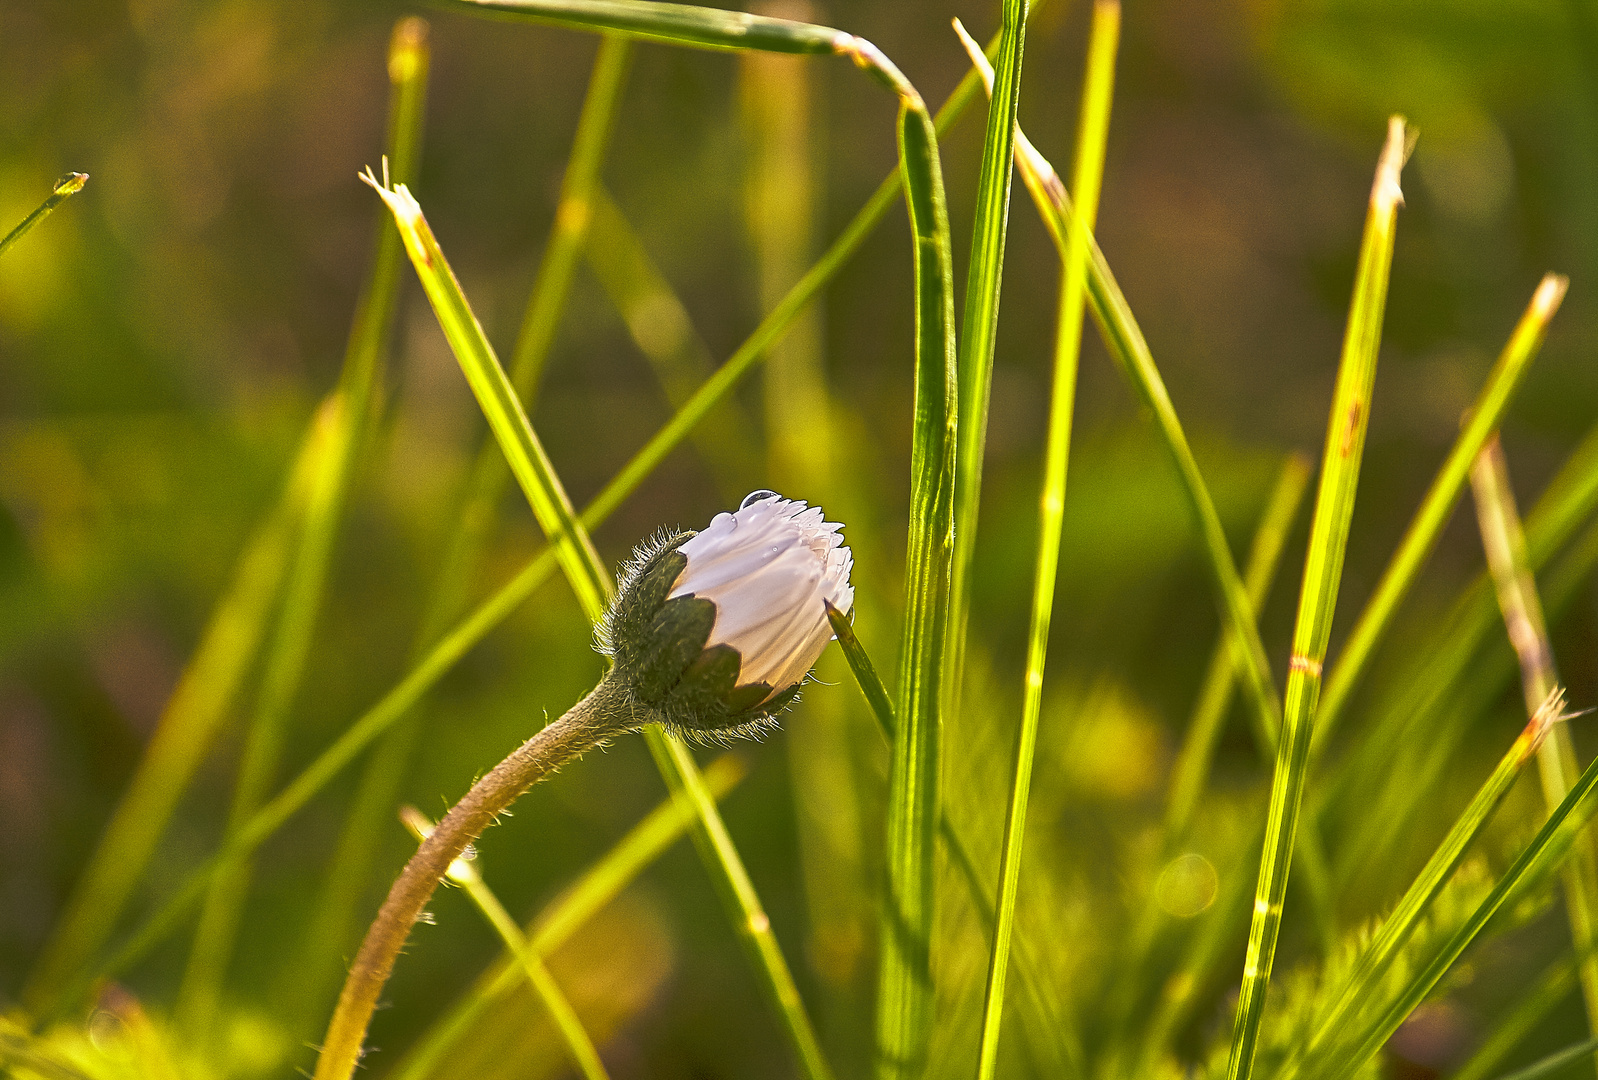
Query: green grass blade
980, 321
1528, 1011
1363, 982
1092, 138
395, 704
672, 24
189, 723
1427, 525
65, 188
349, 417
591, 581
1556, 1061
469, 876
1543, 855
904, 977
1505, 544
564, 915
1334, 508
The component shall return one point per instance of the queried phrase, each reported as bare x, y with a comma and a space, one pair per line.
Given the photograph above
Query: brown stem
606, 711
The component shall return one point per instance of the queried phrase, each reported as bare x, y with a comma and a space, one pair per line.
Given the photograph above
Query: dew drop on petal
756, 496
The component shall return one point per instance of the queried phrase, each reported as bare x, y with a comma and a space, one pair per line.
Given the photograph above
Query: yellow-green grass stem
1504, 540
1087, 177
592, 583
1420, 537
469, 876
66, 187
565, 915
1334, 509
350, 418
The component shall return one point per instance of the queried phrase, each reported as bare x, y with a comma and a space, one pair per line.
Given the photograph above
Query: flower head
715, 631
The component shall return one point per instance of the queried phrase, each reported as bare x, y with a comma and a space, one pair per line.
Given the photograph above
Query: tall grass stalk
395, 704
1484, 417
66, 187
469, 876
350, 416
1334, 508
593, 586
1505, 544
1092, 137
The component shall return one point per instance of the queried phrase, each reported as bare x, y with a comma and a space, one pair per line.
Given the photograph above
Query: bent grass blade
66, 187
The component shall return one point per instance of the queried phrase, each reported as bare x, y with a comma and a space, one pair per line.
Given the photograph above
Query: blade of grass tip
357, 397
65, 188
188, 726
1046, 1014
590, 580
980, 321
1528, 1011
1092, 138
565, 914
394, 705
1334, 508
1555, 1062
469, 877
1420, 537
1124, 339
1544, 854
1363, 982
1505, 544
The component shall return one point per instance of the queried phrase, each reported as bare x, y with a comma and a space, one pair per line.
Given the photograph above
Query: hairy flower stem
607, 710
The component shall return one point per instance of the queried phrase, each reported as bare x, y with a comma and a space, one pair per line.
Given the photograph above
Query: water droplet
756, 496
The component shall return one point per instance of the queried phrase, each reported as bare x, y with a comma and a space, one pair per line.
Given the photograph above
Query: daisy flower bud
715, 631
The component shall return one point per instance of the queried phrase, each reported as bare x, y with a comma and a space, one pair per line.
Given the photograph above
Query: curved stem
606, 711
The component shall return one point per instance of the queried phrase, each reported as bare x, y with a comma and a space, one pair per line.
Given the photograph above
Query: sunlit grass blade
469, 877
980, 321
1541, 857
1555, 1062
564, 915
490, 613
336, 918
188, 726
1426, 526
1334, 509
1092, 136
1130, 350
65, 188
1362, 984
350, 417
592, 583
1505, 544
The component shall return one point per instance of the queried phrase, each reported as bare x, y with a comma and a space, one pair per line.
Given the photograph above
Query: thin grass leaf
1556, 1061
1334, 508
1528, 1010
591, 581
1542, 856
1092, 138
567, 913
65, 188
469, 877
350, 417
395, 704
1505, 544
980, 321
1484, 418
1362, 983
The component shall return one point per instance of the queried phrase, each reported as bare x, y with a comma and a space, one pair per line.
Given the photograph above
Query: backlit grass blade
1421, 536
593, 586
1092, 137
336, 920
1334, 508
65, 188
1363, 983
469, 877
1542, 856
1505, 544
395, 704
350, 416
564, 915
1126, 344
980, 321
1555, 1062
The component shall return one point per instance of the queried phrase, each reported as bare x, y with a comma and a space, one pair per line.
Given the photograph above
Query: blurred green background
165, 336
